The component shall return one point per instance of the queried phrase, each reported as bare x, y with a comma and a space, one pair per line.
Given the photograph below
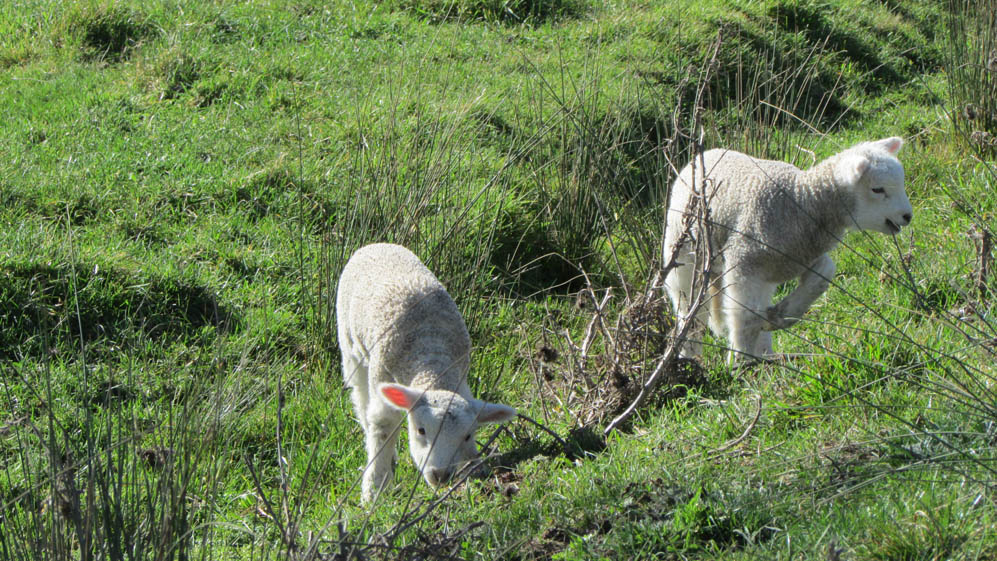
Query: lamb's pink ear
850, 168
892, 144
495, 413
399, 396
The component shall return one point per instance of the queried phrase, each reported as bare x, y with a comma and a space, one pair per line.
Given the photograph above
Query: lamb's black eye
879, 190
466, 438
422, 431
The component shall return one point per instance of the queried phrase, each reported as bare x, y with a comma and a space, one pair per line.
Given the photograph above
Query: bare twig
805, 123
983, 239
645, 391
287, 523
402, 525
545, 429
590, 331
682, 324
696, 216
747, 430
919, 299
268, 508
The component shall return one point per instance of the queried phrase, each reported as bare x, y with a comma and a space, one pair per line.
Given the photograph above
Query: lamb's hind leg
679, 285
813, 283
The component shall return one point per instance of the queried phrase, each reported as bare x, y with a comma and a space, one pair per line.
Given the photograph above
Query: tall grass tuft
106, 32
110, 484
971, 65
411, 183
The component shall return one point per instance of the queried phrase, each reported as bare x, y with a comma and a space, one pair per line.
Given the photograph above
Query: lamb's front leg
813, 283
355, 376
381, 434
745, 302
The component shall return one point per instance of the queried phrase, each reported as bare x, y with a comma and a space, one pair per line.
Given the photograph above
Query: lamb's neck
830, 206
440, 372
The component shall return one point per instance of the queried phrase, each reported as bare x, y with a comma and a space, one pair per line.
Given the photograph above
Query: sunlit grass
182, 186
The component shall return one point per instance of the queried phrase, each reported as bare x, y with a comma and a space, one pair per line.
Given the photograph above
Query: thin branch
560, 440
747, 430
696, 214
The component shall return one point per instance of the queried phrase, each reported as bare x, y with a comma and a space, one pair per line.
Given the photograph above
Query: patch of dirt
543, 548
504, 481
427, 546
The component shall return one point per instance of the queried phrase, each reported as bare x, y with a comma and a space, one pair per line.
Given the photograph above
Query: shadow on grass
51, 309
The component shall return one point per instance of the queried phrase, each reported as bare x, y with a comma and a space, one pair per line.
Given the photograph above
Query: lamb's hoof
776, 320
741, 361
773, 358
738, 361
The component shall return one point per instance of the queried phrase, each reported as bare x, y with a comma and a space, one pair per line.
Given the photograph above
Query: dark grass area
49, 309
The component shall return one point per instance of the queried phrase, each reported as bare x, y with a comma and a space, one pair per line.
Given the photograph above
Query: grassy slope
181, 186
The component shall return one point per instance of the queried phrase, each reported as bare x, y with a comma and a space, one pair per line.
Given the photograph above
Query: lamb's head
441, 427
874, 175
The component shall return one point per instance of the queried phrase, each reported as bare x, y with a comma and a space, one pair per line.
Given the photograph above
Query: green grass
183, 181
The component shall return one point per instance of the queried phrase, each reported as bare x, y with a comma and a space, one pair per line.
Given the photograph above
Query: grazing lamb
770, 223
406, 350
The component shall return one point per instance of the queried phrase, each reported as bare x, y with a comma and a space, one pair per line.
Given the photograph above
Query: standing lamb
406, 350
770, 223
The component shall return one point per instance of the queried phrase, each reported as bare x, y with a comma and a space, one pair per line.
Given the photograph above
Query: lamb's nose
908, 217
439, 476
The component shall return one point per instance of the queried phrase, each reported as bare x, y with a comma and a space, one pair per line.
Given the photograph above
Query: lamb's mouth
892, 226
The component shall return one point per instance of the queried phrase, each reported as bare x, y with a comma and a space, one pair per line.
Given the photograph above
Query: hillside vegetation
182, 181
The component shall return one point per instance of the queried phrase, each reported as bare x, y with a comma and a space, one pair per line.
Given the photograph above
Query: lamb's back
398, 313
765, 215
745, 188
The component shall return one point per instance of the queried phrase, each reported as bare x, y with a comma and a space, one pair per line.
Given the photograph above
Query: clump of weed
107, 32
763, 79
595, 159
16, 56
99, 490
176, 73
503, 11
